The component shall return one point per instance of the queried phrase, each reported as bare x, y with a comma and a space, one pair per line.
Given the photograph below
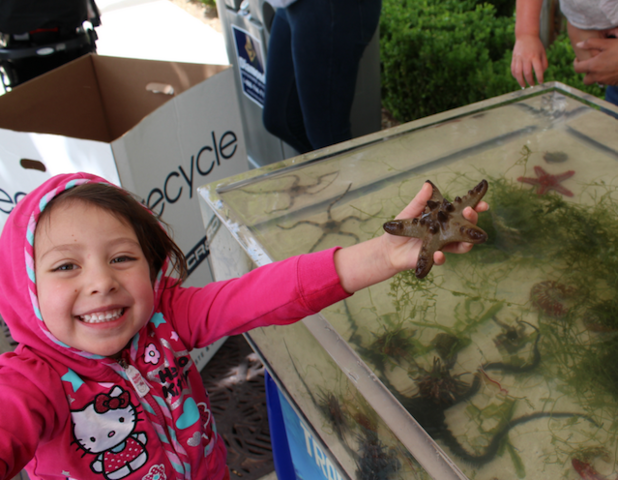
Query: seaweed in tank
390, 347
586, 261
332, 409
512, 338
519, 368
567, 252
447, 345
439, 390
519, 222
376, 461
438, 384
602, 317
572, 246
354, 421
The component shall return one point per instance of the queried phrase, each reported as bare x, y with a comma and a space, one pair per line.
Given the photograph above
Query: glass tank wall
507, 356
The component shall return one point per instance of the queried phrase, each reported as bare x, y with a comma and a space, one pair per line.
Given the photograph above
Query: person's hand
529, 59
404, 250
602, 68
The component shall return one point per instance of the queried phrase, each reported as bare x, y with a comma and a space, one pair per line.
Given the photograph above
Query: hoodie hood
19, 305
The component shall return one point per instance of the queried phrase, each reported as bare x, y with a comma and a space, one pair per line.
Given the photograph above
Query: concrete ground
158, 30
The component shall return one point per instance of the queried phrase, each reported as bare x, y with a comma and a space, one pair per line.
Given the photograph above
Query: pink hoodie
68, 413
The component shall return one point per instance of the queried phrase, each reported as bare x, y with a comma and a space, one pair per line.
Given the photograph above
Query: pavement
157, 30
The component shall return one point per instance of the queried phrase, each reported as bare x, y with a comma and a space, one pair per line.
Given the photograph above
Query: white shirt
591, 14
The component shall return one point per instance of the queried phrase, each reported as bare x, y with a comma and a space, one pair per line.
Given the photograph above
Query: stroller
37, 36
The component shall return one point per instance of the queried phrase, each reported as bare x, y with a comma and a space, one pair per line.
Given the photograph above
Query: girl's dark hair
156, 244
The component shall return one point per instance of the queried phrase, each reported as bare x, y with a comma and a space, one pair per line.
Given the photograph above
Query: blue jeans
611, 94
314, 51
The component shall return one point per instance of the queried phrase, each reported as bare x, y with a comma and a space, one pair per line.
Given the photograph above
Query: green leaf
520, 470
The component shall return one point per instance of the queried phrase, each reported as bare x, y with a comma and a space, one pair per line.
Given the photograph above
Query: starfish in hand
441, 223
547, 182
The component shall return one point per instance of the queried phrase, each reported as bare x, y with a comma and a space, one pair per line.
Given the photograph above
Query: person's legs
611, 94
282, 115
328, 40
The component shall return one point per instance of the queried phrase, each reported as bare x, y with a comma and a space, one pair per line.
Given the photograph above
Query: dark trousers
611, 94
313, 56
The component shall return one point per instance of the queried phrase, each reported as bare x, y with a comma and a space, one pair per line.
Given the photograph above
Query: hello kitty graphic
106, 428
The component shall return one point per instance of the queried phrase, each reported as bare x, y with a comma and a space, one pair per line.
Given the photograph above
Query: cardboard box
158, 129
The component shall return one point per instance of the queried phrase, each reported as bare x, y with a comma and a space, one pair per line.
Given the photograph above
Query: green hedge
441, 54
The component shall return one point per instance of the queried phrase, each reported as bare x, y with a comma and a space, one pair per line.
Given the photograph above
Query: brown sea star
547, 182
441, 223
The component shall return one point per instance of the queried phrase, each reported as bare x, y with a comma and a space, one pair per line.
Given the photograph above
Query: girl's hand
378, 259
403, 251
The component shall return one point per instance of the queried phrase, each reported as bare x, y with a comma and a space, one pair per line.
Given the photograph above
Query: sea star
441, 223
547, 182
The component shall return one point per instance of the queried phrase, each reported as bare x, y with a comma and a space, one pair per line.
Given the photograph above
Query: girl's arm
378, 259
286, 291
528, 52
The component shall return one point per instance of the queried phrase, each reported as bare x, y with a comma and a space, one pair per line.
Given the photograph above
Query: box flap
65, 101
123, 84
96, 97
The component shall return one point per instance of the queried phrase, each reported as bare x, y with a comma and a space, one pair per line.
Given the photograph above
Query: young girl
102, 385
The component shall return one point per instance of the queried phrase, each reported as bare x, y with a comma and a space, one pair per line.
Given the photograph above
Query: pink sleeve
276, 294
29, 415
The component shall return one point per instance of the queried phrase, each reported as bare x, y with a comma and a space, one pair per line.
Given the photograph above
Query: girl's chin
111, 351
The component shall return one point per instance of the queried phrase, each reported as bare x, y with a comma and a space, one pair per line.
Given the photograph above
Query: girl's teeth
102, 316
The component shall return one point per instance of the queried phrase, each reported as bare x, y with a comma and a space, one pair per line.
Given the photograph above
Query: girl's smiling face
93, 280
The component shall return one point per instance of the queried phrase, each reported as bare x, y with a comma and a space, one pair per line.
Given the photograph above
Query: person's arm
602, 68
528, 53
278, 293
378, 259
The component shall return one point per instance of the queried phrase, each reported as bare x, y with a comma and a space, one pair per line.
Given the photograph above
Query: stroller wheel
8, 77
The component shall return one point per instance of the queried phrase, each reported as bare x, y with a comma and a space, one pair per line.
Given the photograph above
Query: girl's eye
65, 268
122, 259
